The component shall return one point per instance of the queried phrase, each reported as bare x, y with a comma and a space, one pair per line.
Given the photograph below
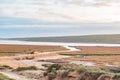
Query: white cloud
64, 10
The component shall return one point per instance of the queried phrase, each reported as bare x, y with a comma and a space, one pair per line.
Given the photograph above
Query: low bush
65, 73
46, 65
26, 68
29, 58
116, 77
53, 67
5, 67
51, 75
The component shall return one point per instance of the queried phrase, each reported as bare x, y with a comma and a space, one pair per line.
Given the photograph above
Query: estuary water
55, 43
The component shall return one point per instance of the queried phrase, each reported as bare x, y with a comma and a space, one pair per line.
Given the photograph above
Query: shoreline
9, 42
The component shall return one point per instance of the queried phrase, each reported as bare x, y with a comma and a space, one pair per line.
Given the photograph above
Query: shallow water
55, 43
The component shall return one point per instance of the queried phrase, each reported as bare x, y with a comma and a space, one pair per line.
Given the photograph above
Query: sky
39, 18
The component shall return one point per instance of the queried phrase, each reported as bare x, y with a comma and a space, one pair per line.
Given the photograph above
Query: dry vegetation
13, 49
74, 72
99, 50
15, 61
86, 50
100, 55
100, 61
62, 69
3, 77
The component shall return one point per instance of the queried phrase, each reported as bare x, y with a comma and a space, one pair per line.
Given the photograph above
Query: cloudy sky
22, 18
63, 10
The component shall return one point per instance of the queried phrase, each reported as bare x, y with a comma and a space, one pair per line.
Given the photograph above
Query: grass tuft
3, 77
26, 68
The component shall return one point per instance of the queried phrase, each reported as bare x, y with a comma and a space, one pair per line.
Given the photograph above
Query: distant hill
115, 39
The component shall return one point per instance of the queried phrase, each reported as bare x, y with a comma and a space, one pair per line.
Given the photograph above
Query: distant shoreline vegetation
110, 39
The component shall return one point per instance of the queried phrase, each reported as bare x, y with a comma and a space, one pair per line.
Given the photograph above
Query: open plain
17, 62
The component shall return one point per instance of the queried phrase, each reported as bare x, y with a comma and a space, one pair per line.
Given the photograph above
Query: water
55, 43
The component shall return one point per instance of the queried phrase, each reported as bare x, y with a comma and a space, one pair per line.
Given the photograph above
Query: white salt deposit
84, 63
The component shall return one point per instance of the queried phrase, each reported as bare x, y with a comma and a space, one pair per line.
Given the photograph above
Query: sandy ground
10, 61
15, 76
22, 62
64, 49
52, 54
100, 61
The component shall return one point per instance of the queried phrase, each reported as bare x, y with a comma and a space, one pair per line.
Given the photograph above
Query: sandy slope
15, 76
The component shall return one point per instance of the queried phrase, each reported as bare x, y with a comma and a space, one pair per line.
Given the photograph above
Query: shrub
17, 59
115, 70
45, 73
116, 76
80, 70
96, 70
65, 73
51, 75
46, 65
5, 67
8, 67
27, 68
53, 67
29, 58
